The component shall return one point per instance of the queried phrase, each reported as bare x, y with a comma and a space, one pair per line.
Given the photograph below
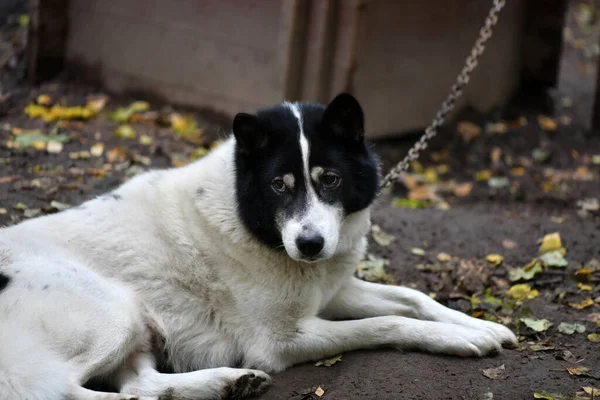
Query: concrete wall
398, 57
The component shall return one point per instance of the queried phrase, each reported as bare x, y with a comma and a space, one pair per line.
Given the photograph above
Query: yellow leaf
430, 176
581, 371
54, 147
517, 171
522, 291
483, 175
96, 103
44, 99
97, 149
417, 251
328, 362
494, 259
583, 274
125, 132
444, 257
319, 392
463, 189
145, 140
546, 123
116, 155
551, 242
468, 130
593, 337
583, 287
584, 304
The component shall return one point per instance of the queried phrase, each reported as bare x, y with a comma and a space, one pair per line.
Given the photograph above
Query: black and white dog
243, 259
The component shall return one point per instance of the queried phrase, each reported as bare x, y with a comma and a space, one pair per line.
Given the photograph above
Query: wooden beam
47, 39
578, 67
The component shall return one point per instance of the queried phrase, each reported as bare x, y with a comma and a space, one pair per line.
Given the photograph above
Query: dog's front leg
360, 299
318, 338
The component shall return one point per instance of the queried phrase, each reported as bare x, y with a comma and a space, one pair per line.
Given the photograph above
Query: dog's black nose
310, 245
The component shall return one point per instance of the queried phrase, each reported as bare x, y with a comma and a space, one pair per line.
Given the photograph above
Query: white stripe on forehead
304, 147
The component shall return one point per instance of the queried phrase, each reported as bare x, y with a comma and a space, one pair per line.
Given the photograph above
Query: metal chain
455, 92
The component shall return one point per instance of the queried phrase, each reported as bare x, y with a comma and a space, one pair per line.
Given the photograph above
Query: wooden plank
578, 70
47, 39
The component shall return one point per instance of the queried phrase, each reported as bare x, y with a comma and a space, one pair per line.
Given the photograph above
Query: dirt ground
464, 223
529, 183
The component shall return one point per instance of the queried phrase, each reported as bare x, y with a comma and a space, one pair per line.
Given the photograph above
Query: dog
237, 265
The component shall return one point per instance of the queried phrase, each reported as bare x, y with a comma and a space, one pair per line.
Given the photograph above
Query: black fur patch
4, 281
268, 146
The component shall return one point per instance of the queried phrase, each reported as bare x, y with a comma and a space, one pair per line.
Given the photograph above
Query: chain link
455, 92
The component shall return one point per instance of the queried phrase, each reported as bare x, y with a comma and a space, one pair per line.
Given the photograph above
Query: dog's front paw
461, 341
251, 383
502, 334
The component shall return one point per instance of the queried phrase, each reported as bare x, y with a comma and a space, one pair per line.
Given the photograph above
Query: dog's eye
278, 185
330, 180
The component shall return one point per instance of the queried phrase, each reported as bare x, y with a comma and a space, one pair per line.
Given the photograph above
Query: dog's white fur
170, 258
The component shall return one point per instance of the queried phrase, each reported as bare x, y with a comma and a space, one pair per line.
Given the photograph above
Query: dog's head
301, 169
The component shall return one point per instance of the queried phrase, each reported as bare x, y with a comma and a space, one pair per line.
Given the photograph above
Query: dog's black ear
344, 117
248, 133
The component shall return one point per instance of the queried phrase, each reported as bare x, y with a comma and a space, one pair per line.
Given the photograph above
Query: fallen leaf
517, 171
96, 102
496, 127
592, 391
522, 291
498, 182
9, 179
124, 114
583, 274
444, 257
557, 220
593, 337
44, 99
596, 159
496, 154
526, 273
578, 371
417, 252
546, 123
569, 329
409, 203
24, 20
583, 173
550, 242
494, 259
541, 347
373, 269
79, 155
495, 373
146, 140
328, 362
20, 206
549, 396
53, 147
468, 130
488, 396
32, 138
32, 212
59, 206
540, 155
509, 244
584, 304
554, 259
568, 356
583, 287
537, 325
3, 211
116, 155
97, 149
381, 238
125, 132
483, 175
319, 392
463, 189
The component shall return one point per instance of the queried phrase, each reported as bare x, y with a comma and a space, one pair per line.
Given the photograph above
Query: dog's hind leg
81, 393
142, 379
